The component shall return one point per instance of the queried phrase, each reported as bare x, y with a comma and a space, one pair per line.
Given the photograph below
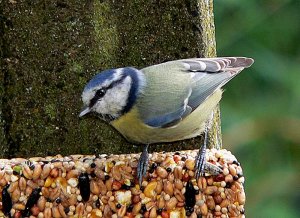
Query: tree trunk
50, 49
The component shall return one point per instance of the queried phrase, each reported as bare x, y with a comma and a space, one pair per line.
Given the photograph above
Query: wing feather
175, 89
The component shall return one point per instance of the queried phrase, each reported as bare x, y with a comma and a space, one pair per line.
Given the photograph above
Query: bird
165, 102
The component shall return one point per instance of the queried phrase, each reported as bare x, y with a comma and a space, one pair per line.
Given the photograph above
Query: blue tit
166, 102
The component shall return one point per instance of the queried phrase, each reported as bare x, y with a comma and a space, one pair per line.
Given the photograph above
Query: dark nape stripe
135, 83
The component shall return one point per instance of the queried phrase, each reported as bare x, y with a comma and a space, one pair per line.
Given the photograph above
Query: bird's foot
143, 164
212, 169
200, 161
202, 166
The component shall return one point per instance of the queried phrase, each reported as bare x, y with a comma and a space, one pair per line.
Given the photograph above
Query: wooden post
50, 49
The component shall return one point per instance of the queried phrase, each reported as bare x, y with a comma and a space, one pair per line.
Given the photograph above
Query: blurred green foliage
261, 108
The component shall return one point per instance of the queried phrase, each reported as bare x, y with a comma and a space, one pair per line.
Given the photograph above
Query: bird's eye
100, 93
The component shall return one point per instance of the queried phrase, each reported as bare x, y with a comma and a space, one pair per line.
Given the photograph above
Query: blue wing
176, 88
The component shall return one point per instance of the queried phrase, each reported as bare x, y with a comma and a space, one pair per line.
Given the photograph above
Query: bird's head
112, 93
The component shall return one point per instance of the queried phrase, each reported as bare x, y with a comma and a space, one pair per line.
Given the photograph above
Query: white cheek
89, 94
86, 97
115, 99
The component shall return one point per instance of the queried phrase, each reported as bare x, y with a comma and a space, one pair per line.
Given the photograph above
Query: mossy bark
50, 49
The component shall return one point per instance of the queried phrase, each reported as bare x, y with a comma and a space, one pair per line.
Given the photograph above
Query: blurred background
261, 108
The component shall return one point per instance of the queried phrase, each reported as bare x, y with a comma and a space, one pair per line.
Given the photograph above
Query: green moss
76, 68
50, 111
105, 35
55, 49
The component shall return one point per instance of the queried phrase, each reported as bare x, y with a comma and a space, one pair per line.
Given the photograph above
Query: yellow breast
134, 130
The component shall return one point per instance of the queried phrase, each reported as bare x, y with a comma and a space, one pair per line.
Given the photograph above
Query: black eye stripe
101, 92
115, 82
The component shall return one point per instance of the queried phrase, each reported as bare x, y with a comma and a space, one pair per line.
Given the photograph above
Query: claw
212, 169
200, 159
201, 166
143, 164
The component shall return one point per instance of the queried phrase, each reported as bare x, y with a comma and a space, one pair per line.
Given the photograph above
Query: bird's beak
85, 111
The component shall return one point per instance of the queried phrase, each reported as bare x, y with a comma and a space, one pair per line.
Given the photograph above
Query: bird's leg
143, 164
200, 158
